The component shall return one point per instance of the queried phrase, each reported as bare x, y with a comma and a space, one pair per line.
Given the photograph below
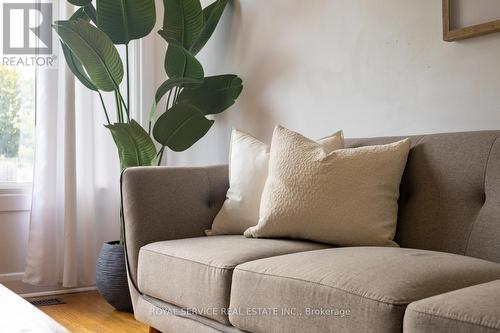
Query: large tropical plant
89, 40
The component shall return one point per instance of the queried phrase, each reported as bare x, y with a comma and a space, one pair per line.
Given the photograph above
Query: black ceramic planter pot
111, 276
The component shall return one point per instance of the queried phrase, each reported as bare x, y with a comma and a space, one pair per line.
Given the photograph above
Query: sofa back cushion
450, 193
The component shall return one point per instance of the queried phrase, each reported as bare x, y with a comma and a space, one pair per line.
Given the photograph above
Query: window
17, 126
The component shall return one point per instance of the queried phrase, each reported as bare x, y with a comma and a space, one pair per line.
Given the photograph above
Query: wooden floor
88, 312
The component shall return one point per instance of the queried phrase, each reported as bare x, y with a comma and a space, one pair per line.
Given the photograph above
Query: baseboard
7, 277
16, 280
58, 292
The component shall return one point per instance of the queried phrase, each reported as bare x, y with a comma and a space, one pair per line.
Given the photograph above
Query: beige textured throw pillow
248, 166
346, 198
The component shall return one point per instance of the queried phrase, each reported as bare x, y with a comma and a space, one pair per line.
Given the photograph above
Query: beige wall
371, 67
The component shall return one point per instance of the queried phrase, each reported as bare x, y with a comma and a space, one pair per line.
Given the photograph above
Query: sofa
445, 277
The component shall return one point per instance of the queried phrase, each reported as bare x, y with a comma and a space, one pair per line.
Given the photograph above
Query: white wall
371, 67
14, 223
13, 239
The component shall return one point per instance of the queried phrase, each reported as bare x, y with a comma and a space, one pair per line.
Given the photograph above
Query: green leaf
77, 68
80, 3
126, 20
135, 147
86, 13
214, 95
211, 15
95, 50
180, 63
80, 15
174, 82
182, 22
91, 13
164, 88
73, 63
181, 126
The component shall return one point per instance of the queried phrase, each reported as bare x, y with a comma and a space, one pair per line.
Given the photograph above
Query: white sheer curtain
76, 181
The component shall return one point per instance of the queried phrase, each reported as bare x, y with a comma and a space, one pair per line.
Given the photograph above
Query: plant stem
161, 155
104, 107
177, 90
128, 78
124, 105
119, 113
153, 118
117, 91
168, 98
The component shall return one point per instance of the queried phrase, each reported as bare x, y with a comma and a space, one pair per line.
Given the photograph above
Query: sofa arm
164, 203
474, 309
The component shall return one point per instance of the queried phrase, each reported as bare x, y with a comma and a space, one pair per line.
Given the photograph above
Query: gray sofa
444, 278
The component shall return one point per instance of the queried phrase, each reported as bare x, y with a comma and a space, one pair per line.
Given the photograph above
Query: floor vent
47, 302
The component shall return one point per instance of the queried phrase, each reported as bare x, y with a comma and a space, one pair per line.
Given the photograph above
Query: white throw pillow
348, 197
248, 167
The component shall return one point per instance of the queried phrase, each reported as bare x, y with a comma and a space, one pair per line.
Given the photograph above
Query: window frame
15, 198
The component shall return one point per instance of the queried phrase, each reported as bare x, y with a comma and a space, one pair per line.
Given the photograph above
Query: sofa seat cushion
357, 289
474, 309
195, 273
